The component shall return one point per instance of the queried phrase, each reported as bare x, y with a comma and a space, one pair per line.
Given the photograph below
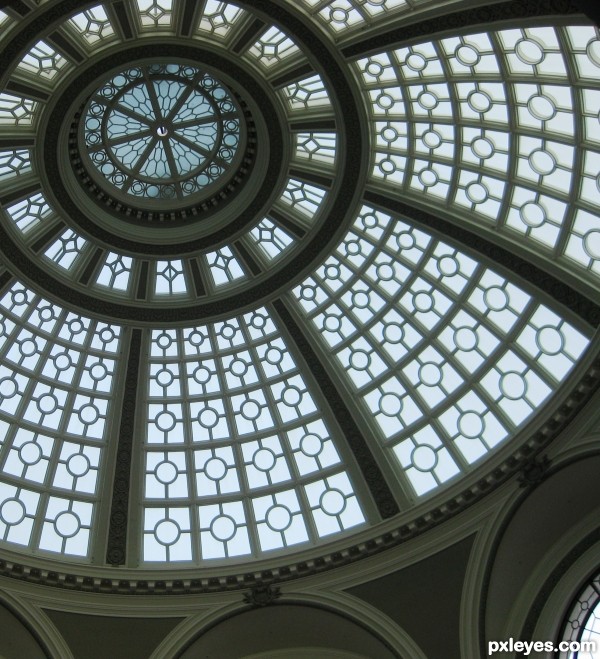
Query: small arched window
583, 624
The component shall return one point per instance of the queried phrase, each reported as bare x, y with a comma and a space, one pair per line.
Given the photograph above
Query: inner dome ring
193, 223
162, 132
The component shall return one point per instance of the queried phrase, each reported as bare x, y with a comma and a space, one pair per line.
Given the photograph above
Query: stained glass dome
161, 131
284, 283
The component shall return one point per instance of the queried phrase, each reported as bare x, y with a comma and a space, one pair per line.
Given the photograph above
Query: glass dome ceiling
324, 272
161, 132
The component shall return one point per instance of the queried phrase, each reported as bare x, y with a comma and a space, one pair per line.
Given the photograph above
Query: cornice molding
398, 529
315, 561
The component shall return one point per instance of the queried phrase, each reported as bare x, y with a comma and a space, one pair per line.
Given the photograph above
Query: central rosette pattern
162, 131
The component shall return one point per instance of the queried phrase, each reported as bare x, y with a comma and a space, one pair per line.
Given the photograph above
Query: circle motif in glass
162, 131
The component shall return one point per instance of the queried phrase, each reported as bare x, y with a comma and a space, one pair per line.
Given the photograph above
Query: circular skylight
162, 131
389, 294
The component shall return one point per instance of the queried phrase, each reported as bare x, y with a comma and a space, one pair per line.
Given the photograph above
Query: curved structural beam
116, 553
379, 489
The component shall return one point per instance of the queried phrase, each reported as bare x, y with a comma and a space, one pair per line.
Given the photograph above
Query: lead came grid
43, 61
162, 131
219, 19
14, 162
490, 123
340, 16
121, 151
239, 458
93, 25
449, 356
583, 623
446, 357
56, 382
